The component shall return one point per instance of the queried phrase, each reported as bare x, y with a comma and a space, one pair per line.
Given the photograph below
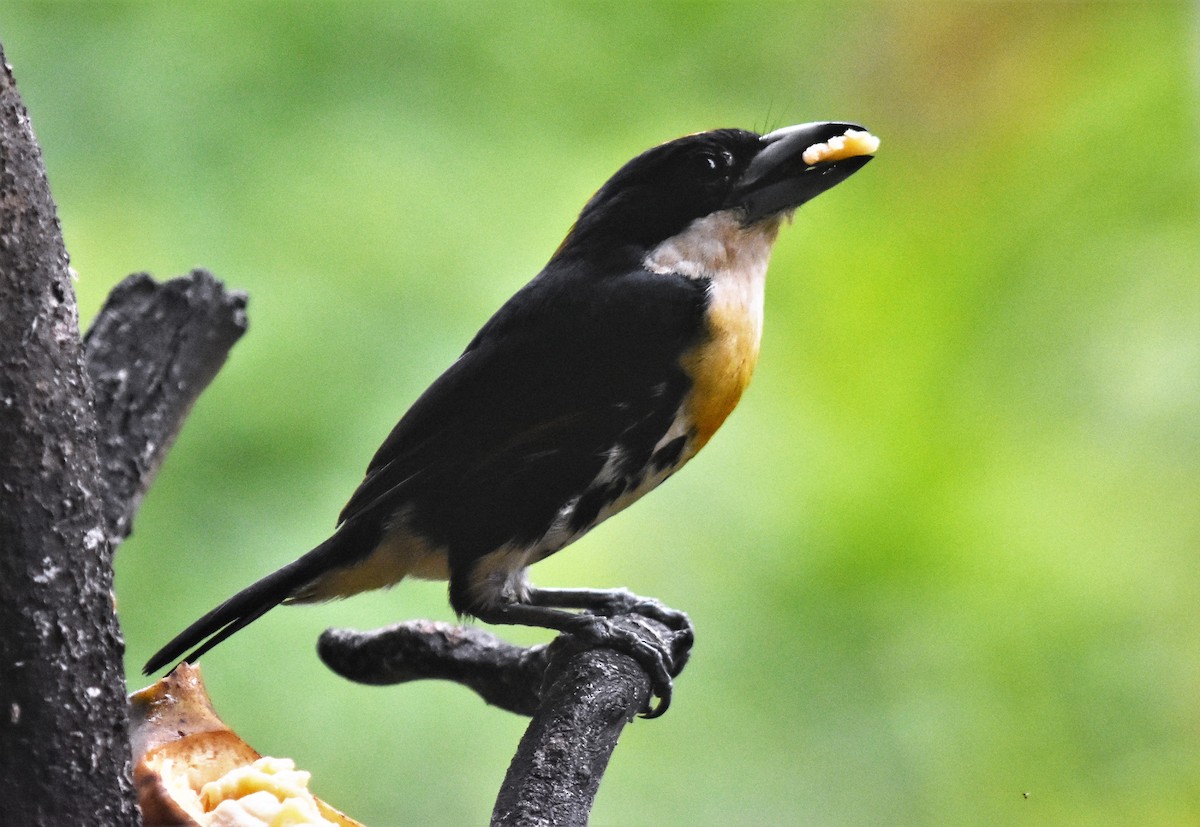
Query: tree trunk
64, 753
73, 469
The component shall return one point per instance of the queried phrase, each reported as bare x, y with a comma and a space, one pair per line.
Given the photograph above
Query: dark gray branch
504, 675
589, 696
580, 698
150, 352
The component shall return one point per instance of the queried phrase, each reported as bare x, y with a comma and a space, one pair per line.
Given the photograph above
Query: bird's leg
598, 630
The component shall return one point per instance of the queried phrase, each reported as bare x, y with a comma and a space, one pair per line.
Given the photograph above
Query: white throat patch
733, 257
714, 246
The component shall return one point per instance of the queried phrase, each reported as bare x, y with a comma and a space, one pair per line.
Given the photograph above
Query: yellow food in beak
854, 143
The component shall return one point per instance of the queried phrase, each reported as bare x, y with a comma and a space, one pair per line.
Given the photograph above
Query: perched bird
594, 383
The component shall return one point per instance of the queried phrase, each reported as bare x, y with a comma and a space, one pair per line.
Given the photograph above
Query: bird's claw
605, 618
679, 644
661, 662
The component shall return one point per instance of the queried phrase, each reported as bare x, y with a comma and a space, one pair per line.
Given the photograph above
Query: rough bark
73, 469
588, 697
64, 757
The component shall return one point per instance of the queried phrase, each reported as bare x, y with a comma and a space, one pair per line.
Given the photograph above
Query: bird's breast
720, 368
733, 260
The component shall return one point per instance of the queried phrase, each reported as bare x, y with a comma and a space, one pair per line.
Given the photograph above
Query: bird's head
752, 178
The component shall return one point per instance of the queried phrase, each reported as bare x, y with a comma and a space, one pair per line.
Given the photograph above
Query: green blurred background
944, 561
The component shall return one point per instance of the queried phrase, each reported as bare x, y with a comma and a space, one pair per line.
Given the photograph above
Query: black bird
594, 383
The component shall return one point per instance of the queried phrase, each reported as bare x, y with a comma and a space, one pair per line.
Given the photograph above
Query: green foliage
945, 554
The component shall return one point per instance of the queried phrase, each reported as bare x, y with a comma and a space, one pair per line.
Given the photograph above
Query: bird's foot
657, 637
661, 659
611, 603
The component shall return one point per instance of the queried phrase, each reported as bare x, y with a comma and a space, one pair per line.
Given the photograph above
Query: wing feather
568, 370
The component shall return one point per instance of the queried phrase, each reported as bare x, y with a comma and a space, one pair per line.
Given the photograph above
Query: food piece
855, 142
271, 792
191, 769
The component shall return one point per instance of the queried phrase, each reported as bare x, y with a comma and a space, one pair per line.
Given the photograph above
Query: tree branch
589, 696
149, 353
502, 674
580, 698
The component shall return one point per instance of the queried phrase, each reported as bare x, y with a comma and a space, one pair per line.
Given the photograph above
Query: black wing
569, 369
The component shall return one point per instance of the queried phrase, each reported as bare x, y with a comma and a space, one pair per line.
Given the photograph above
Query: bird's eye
715, 161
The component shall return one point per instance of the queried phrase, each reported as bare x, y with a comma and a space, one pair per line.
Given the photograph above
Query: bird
589, 387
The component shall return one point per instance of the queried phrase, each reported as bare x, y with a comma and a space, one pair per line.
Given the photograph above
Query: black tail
248, 605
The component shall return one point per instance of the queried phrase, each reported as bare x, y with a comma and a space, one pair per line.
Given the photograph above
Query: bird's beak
778, 179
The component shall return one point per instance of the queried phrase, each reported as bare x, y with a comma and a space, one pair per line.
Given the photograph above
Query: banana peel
191, 769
